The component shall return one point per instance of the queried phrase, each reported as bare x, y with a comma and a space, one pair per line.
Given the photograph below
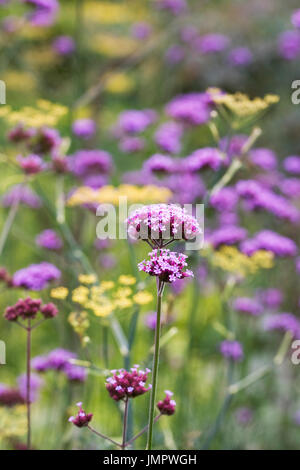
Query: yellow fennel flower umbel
111, 195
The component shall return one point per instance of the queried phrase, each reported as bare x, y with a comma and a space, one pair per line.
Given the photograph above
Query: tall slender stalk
160, 287
28, 355
8, 224
125, 424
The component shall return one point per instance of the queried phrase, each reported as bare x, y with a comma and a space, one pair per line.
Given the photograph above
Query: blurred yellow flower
118, 83
80, 323
59, 293
87, 278
17, 80
111, 195
44, 114
240, 104
232, 260
13, 421
112, 45
80, 295
114, 13
127, 280
143, 297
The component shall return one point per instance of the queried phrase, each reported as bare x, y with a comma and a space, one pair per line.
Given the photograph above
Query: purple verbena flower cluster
127, 384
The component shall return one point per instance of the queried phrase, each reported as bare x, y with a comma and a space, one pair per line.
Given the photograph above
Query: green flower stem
160, 287
128, 443
103, 437
125, 424
28, 355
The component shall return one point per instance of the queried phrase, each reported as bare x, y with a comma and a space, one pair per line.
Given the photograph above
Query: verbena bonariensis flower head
44, 12
232, 350
31, 164
191, 108
240, 57
127, 384
82, 418
84, 128
201, 159
167, 265
59, 360
168, 136
263, 158
36, 383
36, 276
64, 45
227, 235
90, 162
10, 396
161, 164
284, 322
211, 43
247, 305
295, 19
167, 406
49, 239
292, 164
271, 241
135, 121
162, 222
23, 195
19, 133
28, 309
176, 7
289, 44
271, 297
46, 140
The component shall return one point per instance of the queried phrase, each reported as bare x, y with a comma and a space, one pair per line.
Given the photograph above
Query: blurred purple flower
90, 162
224, 200
23, 195
244, 415
207, 157
64, 45
176, 7
141, 30
232, 350
168, 136
240, 57
35, 385
263, 158
161, 164
283, 322
211, 43
44, 12
174, 54
131, 144
247, 305
271, 298
31, 164
84, 128
136, 121
295, 18
271, 241
233, 146
289, 44
49, 239
191, 108
292, 164
36, 276
228, 235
